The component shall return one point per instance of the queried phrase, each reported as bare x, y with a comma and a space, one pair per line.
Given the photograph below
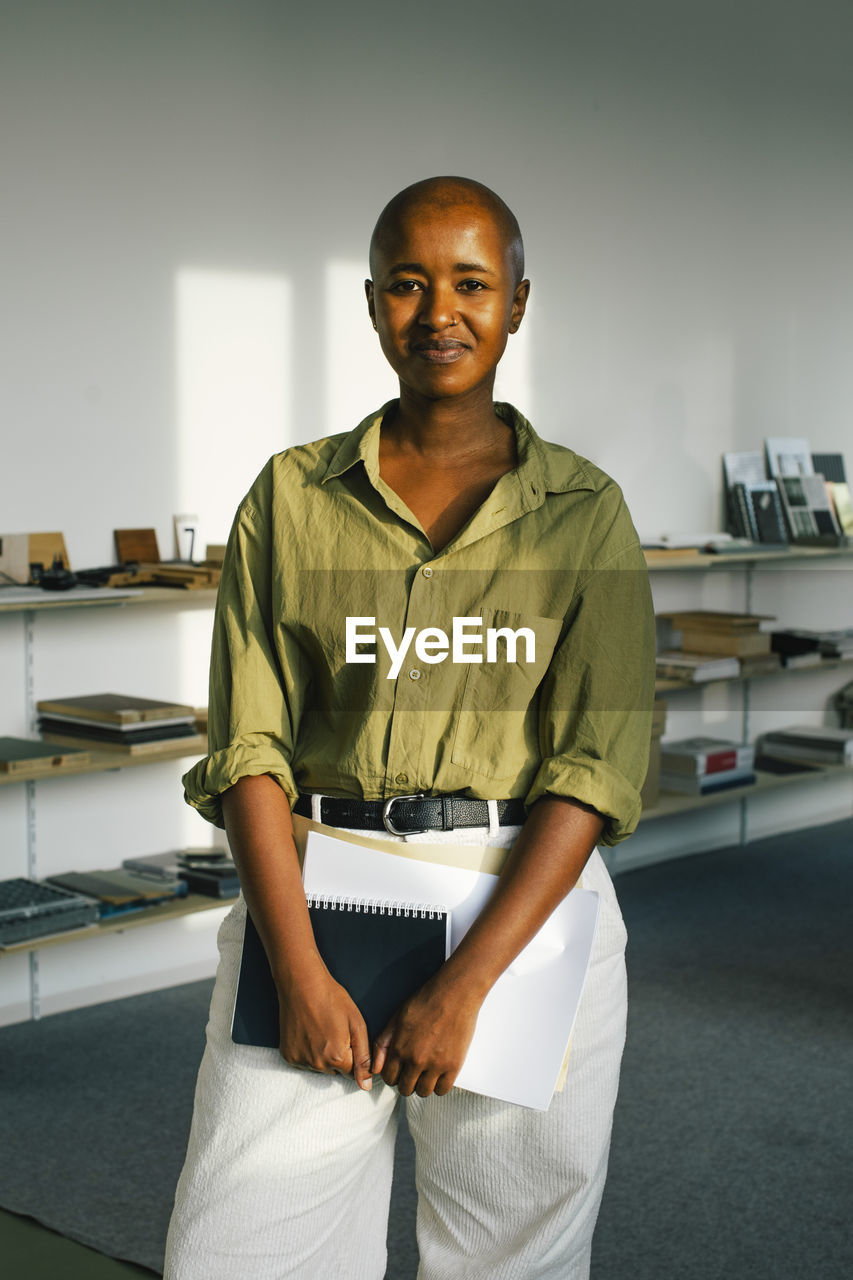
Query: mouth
440, 350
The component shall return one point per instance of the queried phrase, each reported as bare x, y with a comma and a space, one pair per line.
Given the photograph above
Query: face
444, 299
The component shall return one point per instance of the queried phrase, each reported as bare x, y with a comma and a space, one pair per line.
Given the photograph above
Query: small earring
374, 325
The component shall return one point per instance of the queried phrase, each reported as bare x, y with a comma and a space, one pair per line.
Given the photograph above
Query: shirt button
427, 571
414, 674
402, 778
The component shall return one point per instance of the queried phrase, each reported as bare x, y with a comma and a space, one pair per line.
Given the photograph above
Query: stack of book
702, 765
208, 871
794, 643
694, 668
837, 644
715, 646
116, 721
797, 647
823, 745
118, 891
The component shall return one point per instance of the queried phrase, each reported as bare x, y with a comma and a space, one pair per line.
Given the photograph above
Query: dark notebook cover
380, 957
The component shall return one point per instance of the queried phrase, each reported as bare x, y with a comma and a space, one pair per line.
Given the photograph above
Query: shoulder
288, 478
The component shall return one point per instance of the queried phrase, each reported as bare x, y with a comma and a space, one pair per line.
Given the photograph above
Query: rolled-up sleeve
596, 698
250, 727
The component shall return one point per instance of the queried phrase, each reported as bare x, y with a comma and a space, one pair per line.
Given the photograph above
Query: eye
405, 286
472, 286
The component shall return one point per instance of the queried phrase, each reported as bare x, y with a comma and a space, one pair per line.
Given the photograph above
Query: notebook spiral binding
377, 906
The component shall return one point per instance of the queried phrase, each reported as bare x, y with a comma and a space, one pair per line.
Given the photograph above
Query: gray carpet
730, 1141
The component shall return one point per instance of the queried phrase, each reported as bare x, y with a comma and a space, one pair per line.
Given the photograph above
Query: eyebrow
417, 268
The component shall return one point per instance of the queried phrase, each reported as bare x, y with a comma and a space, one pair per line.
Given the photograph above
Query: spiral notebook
380, 951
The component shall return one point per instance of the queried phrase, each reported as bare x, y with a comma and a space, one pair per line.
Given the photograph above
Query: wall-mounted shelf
681, 562
189, 905
33, 600
679, 686
676, 802
108, 761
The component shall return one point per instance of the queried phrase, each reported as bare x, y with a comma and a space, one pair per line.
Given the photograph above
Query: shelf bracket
30, 789
748, 593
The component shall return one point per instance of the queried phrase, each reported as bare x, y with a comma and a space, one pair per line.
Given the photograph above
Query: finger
407, 1080
444, 1083
391, 1070
380, 1048
427, 1081
360, 1046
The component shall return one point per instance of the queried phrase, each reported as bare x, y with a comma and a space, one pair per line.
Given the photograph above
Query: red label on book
719, 760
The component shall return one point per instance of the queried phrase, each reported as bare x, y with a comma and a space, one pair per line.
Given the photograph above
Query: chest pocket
496, 733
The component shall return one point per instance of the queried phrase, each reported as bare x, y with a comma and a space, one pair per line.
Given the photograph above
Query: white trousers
288, 1173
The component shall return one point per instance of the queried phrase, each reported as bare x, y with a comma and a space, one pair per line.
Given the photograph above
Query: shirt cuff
249, 758
592, 782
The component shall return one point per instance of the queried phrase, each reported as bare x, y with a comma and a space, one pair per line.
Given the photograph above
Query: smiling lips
440, 350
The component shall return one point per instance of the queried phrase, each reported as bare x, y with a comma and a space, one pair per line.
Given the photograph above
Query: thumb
360, 1053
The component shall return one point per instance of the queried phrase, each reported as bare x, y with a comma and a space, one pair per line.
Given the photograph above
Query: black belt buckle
386, 816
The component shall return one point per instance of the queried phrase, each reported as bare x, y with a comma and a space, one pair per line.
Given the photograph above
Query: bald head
440, 195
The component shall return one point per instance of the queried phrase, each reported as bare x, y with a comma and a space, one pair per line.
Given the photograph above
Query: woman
444, 505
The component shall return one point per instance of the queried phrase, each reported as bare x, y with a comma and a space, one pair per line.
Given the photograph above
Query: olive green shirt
549, 589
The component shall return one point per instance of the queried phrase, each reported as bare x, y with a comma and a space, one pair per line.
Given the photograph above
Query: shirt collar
542, 467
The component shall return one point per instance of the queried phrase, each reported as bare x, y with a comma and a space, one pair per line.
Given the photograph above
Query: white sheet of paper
527, 1018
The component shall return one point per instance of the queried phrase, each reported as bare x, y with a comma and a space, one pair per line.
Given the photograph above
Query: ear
371, 306
519, 303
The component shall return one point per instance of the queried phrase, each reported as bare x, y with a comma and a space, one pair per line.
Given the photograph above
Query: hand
322, 1029
423, 1047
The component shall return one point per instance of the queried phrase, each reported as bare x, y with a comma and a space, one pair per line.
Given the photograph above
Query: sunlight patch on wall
358, 377
233, 364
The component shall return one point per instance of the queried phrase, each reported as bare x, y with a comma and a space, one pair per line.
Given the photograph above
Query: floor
32, 1252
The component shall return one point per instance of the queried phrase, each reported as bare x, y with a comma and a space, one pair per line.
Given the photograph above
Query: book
115, 708
213, 882
788, 456
137, 744
717, 620
760, 664
765, 513
128, 730
830, 466
525, 1022
123, 735
175, 859
674, 664
382, 952
705, 784
26, 755
836, 644
791, 661
119, 890
839, 492
808, 508
208, 871
736, 644
825, 744
701, 756
793, 640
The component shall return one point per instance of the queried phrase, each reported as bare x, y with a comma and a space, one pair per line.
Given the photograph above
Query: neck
450, 430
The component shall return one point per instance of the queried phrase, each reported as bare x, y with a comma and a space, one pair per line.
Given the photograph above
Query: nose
438, 309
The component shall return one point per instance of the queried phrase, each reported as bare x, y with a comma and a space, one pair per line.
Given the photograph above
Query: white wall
189, 189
